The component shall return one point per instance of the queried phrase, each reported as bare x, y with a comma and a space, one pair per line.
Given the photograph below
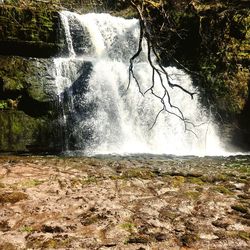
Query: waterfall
103, 116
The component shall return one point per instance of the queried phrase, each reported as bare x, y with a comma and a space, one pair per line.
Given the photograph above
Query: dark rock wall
224, 60
29, 110
212, 39
30, 32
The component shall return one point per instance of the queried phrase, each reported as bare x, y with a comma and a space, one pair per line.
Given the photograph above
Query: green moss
3, 104
26, 229
194, 195
244, 235
178, 181
141, 173
29, 183
195, 180
222, 189
25, 29
16, 128
89, 180
215, 178
20, 132
51, 243
221, 177
12, 73
128, 226
244, 169
238, 234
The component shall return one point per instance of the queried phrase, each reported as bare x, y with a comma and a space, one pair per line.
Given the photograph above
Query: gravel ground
134, 202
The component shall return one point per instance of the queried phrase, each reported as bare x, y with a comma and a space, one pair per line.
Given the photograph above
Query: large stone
20, 132
34, 77
29, 111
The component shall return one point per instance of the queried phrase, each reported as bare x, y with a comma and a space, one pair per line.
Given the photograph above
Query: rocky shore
139, 202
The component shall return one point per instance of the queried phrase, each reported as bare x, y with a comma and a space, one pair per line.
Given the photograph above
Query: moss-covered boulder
27, 78
30, 32
20, 132
28, 106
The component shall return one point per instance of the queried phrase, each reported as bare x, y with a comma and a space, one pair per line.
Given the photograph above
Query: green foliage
223, 190
128, 226
3, 104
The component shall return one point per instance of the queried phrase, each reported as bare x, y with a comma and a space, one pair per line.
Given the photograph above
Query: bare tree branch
157, 69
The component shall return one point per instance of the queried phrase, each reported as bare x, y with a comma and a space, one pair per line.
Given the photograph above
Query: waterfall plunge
102, 116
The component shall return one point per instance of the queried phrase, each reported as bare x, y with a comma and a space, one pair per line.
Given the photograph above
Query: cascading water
102, 116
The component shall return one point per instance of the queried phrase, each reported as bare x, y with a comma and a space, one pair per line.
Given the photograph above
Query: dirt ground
133, 202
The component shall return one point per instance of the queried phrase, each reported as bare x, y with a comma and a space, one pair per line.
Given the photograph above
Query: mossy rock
223, 190
27, 31
22, 78
22, 133
140, 173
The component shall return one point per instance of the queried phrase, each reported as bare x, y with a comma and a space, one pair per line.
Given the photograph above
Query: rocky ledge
124, 203
30, 32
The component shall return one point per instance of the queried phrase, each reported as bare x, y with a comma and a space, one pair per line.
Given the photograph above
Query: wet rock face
28, 106
30, 32
29, 110
224, 60
34, 77
20, 132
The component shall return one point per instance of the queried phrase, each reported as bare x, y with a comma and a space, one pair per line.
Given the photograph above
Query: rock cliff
28, 102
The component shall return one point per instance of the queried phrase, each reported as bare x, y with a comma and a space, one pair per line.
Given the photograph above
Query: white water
119, 120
